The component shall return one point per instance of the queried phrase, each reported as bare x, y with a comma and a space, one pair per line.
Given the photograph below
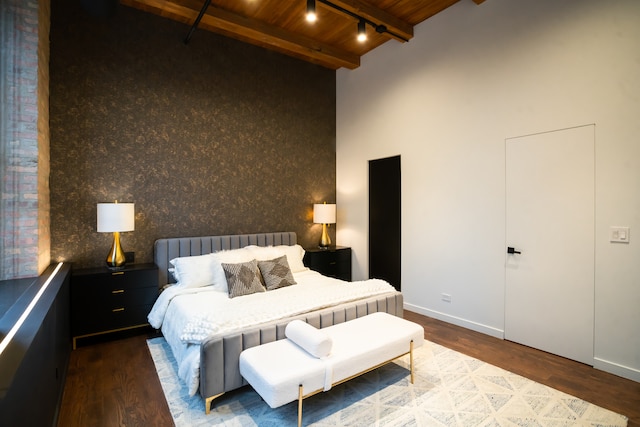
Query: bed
209, 324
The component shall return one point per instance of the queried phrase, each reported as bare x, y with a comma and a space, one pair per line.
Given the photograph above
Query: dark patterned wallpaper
214, 137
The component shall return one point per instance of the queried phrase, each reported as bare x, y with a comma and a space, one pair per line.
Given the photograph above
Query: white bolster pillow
314, 341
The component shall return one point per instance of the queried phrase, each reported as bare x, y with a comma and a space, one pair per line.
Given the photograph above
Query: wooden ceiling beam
398, 29
250, 30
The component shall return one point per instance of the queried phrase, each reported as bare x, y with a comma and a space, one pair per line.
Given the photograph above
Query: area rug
450, 389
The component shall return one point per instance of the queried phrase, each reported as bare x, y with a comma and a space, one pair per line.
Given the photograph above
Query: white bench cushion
275, 370
369, 341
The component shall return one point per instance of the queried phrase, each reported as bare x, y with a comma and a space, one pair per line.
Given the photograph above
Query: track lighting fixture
362, 31
311, 10
362, 21
311, 17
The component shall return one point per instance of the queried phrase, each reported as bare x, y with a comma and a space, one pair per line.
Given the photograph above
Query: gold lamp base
116, 258
325, 240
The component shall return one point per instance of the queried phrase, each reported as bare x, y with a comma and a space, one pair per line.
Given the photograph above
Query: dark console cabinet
334, 261
33, 364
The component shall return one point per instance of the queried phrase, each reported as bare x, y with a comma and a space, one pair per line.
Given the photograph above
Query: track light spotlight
311, 10
362, 31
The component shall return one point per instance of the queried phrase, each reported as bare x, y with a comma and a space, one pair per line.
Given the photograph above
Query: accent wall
208, 138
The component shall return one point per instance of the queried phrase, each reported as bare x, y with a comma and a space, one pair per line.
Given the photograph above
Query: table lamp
324, 214
115, 218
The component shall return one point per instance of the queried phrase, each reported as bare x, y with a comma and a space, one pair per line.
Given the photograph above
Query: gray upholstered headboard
168, 249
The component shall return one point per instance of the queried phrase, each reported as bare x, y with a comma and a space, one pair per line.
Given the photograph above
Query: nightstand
104, 301
334, 261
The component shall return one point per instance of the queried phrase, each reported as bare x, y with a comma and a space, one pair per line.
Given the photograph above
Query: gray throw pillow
243, 278
276, 273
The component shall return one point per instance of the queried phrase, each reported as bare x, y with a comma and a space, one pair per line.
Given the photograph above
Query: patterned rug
450, 389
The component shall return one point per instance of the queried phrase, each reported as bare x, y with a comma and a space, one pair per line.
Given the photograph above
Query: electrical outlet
130, 257
446, 297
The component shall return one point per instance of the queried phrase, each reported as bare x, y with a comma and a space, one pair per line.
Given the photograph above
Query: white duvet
188, 316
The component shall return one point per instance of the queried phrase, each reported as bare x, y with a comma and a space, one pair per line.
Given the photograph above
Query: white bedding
188, 316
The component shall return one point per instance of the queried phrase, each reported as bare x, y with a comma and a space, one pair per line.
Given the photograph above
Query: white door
550, 213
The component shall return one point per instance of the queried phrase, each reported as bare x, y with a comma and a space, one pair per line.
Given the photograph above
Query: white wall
471, 77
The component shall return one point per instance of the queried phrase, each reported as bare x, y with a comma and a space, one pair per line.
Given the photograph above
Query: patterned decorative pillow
243, 278
276, 273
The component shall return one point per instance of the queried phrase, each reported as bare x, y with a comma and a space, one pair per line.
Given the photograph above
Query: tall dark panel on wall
384, 219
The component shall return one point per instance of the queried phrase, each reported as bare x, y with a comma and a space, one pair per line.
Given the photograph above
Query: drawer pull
118, 309
118, 291
333, 263
117, 273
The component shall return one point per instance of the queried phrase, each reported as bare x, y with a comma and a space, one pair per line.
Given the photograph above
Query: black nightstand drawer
333, 262
106, 319
103, 279
110, 296
104, 301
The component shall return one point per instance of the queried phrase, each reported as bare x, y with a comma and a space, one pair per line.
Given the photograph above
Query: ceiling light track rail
378, 27
205, 6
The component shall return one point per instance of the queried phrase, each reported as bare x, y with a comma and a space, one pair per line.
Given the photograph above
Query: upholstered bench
313, 360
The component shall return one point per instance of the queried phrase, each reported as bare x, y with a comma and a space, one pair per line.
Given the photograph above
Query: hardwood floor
114, 383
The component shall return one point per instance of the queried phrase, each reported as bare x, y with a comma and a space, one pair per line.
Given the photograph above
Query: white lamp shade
114, 217
324, 213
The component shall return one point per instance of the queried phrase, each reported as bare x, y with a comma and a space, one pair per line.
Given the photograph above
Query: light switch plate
619, 234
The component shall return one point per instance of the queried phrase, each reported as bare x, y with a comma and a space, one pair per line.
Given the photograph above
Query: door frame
529, 321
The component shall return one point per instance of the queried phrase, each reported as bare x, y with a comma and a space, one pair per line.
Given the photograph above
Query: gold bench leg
411, 359
300, 397
207, 403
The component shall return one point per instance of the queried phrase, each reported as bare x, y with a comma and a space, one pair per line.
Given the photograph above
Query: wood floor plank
114, 383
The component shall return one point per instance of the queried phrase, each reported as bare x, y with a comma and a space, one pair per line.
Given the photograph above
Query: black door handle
511, 250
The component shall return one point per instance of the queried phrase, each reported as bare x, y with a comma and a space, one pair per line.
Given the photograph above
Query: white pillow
194, 271
294, 254
264, 253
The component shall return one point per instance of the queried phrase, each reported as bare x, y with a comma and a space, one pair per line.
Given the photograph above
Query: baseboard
617, 369
458, 321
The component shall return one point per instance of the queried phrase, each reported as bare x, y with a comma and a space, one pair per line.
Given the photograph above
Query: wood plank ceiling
280, 25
